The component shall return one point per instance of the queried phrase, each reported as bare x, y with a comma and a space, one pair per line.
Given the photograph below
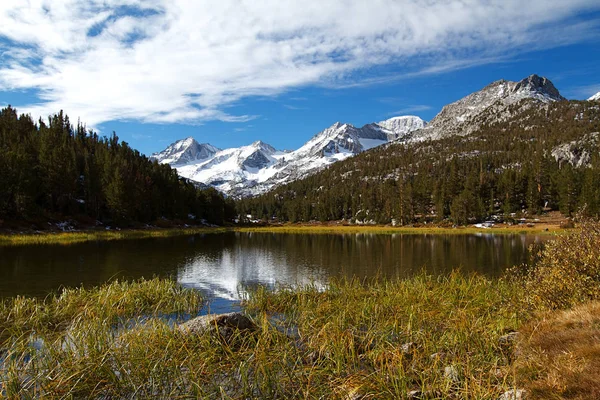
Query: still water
220, 265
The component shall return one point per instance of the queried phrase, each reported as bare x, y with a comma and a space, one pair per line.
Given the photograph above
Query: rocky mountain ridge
495, 100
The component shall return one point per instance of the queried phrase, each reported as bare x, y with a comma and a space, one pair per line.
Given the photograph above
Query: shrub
566, 271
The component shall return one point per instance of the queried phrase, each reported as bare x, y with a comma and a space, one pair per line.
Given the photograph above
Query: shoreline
89, 235
542, 229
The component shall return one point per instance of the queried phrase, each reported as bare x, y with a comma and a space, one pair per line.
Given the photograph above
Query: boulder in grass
226, 326
514, 394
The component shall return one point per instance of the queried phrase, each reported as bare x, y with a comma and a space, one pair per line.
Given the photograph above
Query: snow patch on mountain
230, 168
595, 97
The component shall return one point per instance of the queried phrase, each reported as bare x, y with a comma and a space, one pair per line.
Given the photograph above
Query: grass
559, 354
378, 339
387, 230
384, 339
76, 343
66, 238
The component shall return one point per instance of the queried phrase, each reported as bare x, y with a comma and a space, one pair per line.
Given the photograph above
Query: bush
566, 271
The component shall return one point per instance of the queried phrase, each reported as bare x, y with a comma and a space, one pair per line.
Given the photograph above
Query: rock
451, 373
226, 325
514, 394
508, 339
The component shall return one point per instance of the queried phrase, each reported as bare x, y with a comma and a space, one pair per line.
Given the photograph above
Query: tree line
52, 169
506, 168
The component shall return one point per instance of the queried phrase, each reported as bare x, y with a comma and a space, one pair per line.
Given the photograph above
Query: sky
230, 72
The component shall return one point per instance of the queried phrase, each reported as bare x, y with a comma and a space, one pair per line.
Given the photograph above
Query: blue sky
230, 72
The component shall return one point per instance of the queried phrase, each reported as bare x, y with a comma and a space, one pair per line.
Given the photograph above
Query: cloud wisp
181, 61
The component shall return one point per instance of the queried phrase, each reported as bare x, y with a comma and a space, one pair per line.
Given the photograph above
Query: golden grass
382, 339
387, 230
377, 339
66, 238
559, 354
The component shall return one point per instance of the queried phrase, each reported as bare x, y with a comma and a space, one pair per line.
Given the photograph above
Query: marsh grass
21, 316
384, 339
71, 344
66, 238
378, 339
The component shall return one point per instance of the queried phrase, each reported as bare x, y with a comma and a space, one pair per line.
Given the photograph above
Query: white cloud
411, 109
186, 61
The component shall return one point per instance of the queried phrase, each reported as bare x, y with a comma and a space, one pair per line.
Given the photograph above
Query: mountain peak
184, 151
538, 85
595, 97
260, 145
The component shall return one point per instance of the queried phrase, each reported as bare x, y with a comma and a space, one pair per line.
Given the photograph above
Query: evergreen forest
53, 170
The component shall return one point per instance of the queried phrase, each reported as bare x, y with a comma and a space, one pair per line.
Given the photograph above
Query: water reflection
221, 264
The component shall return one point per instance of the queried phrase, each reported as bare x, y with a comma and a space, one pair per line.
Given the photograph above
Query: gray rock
225, 325
451, 373
514, 394
508, 339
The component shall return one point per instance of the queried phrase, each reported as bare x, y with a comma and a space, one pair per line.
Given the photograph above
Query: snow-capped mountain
595, 97
256, 168
185, 151
461, 117
233, 168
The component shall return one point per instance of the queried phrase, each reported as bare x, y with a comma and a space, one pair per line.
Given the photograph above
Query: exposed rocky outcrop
495, 101
225, 326
578, 153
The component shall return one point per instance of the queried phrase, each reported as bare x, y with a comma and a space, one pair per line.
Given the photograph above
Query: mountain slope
461, 117
255, 169
537, 158
595, 97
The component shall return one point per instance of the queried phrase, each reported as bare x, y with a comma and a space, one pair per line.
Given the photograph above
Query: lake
220, 265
